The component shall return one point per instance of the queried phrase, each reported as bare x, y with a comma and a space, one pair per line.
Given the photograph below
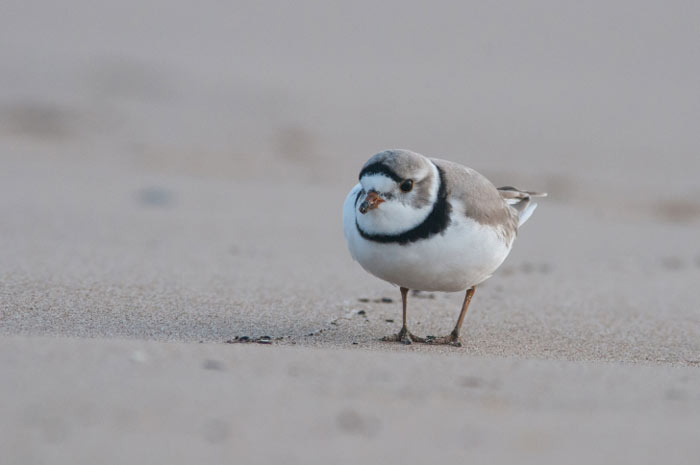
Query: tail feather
520, 201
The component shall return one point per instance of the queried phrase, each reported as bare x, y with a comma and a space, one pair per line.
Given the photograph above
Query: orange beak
371, 202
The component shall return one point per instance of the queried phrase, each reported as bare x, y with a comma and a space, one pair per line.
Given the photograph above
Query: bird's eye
407, 185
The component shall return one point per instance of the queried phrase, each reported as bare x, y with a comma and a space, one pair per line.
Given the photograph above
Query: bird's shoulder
475, 193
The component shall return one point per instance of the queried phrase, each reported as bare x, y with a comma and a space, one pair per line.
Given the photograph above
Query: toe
415, 338
451, 340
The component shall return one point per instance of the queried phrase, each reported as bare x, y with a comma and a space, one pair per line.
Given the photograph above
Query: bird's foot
404, 336
452, 339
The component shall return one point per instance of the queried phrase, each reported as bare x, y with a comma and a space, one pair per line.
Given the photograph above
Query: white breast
465, 254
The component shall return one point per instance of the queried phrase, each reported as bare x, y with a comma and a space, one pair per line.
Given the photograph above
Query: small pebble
387, 300
389, 320
423, 295
362, 312
363, 300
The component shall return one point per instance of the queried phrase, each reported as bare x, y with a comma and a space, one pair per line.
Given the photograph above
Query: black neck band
436, 222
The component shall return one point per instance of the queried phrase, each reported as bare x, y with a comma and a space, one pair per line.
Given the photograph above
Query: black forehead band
380, 168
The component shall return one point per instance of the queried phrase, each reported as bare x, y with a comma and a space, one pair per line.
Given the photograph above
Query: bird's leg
404, 336
453, 337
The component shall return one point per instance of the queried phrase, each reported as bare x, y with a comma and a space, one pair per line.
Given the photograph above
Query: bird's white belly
464, 255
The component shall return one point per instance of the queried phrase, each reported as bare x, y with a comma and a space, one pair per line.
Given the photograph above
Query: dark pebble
389, 320
423, 295
363, 300
239, 340
362, 312
387, 300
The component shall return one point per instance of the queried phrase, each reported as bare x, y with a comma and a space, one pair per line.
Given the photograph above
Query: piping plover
431, 225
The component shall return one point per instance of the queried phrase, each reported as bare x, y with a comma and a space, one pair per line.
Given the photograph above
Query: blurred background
605, 92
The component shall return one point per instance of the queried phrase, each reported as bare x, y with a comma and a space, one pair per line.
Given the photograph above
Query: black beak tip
364, 207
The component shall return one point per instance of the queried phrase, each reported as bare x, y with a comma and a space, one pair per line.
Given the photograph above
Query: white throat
393, 216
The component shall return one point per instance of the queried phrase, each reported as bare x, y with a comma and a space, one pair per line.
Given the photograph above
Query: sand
115, 401
160, 204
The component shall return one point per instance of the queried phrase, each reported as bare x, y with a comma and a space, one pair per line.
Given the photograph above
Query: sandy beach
171, 183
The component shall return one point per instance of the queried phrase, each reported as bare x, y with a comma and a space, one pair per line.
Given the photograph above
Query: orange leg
453, 337
404, 336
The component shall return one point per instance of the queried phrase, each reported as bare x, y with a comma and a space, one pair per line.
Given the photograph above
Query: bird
427, 224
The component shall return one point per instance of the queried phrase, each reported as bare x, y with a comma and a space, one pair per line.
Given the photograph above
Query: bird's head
399, 188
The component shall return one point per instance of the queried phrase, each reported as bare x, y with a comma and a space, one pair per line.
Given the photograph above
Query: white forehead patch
377, 182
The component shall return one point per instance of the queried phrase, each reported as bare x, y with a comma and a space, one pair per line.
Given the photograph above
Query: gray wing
481, 200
